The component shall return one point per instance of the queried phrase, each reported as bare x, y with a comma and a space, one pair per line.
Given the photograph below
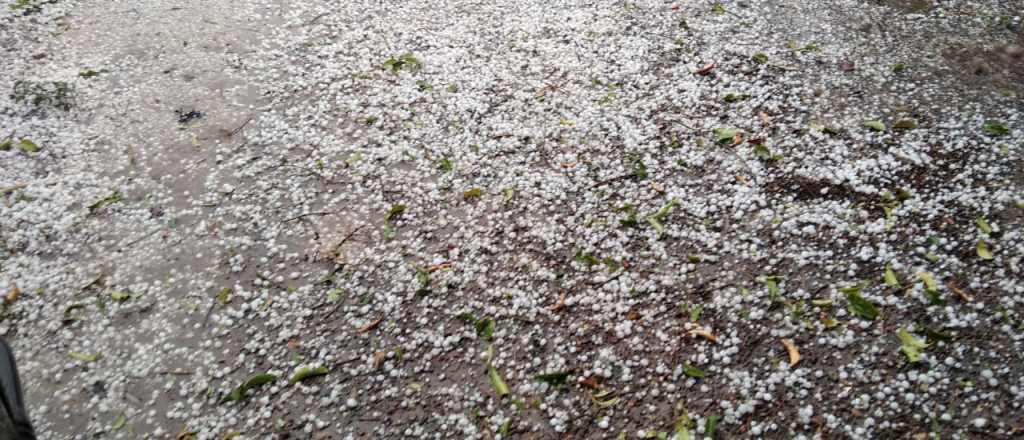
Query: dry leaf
560, 305
742, 179
13, 296
704, 333
959, 292
371, 325
706, 69
378, 359
438, 267
765, 119
568, 165
794, 354
590, 382
633, 315
658, 187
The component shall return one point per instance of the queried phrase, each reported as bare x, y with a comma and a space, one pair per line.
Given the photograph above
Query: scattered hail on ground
525, 219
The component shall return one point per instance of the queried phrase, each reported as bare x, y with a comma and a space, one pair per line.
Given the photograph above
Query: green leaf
28, 146
875, 125
224, 296
509, 194
118, 295
306, 373
890, 276
656, 218
772, 283
553, 379
983, 225
119, 422
85, 357
736, 97
254, 381
485, 328
604, 399
693, 371
858, 305
983, 251
108, 200
760, 57
905, 124
725, 135
639, 169
910, 345
995, 128
898, 67
496, 382
931, 288
718, 8
474, 193
88, 73
710, 426
394, 212
6, 145
762, 152
446, 165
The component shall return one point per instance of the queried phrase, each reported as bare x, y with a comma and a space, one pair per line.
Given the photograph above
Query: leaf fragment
473, 193
692, 371
910, 345
725, 135
28, 146
890, 276
554, 379
604, 399
395, 211
983, 225
704, 333
254, 381
875, 125
306, 373
794, 354
496, 381
858, 305
983, 250
485, 328
85, 357
905, 124
995, 128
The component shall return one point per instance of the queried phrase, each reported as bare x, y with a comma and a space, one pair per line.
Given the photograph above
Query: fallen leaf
604, 399
378, 359
590, 382
905, 124
875, 125
704, 333
858, 305
560, 304
371, 325
553, 379
254, 381
496, 382
28, 146
995, 128
794, 354
85, 357
910, 345
958, 291
983, 225
306, 373
706, 69
983, 251
693, 371
890, 276
13, 295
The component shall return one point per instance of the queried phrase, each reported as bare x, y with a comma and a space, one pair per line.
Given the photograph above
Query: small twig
308, 214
